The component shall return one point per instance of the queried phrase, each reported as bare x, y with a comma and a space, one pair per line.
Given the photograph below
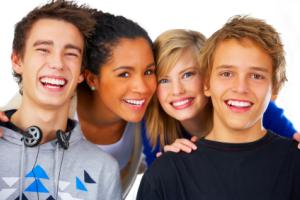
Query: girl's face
126, 83
180, 92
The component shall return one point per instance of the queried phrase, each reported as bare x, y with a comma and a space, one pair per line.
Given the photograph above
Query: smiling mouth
239, 105
134, 102
53, 83
183, 103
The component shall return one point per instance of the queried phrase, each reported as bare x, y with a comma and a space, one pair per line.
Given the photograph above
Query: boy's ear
90, 78
16, 62
81, 77
274, 97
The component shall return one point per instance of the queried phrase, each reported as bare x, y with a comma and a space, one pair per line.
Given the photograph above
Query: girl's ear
91, 79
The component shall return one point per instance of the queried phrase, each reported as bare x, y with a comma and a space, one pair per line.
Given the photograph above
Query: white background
157, 16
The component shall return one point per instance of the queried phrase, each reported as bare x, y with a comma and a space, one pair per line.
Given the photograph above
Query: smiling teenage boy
43, 154
244, 66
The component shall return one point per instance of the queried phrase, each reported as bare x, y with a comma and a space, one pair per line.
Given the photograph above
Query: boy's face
240, 85
51, 64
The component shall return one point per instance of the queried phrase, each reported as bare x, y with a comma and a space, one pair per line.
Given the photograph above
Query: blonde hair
257, 31
168, 48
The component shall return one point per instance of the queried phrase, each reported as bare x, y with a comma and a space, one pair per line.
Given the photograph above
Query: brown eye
124, 75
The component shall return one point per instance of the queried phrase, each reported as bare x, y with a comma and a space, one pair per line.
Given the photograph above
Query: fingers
296, 137
3, 117
194, 139
181, 145
158, 154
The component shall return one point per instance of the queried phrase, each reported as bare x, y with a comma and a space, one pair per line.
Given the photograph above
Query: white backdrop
157, 16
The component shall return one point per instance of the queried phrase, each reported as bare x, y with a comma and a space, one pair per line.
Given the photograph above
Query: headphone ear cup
62, 139
32, 136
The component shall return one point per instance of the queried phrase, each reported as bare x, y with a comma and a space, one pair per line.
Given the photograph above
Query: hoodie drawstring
22, 172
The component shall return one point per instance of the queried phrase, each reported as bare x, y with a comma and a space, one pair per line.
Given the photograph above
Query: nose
177, 87
241, 84
141, 85
55, 61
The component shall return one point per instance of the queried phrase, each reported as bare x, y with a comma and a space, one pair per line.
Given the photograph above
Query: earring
93, 88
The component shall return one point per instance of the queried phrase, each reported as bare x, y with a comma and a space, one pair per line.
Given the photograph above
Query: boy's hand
181, 144
296, 137
3, 118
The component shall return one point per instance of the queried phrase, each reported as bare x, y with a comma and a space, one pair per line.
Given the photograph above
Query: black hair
109, 30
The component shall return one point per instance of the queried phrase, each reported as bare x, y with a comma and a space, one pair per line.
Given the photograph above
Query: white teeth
239, 103
180, 103
53, 81
135, 102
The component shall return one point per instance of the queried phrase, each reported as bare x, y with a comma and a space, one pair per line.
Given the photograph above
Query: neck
199, 125
48, 120
98, 123
221, 132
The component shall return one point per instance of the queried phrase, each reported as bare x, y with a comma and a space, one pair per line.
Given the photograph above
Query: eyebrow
42, 42
252, 68
188, 68
51, 43
131, 68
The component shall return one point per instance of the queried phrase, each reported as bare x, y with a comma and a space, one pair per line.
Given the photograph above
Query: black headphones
33, 135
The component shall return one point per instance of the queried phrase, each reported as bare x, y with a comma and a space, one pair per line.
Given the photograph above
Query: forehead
131, 52
58, 31
177, 61
241, 53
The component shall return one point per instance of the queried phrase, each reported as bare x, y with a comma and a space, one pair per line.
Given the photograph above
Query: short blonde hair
257, 31
168, 48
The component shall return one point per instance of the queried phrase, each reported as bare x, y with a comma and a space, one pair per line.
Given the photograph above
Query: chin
133, 119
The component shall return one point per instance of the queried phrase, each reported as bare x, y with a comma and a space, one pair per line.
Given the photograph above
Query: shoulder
165, 165
92, 150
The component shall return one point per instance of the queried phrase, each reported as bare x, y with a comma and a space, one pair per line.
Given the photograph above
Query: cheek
152, 85
161, 93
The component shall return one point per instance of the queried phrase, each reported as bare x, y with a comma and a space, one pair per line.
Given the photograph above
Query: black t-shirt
267, 169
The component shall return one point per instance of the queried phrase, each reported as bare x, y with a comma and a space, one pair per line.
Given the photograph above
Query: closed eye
72, 55
42, 50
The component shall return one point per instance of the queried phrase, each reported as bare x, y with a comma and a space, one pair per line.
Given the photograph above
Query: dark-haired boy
244, 66
43, 154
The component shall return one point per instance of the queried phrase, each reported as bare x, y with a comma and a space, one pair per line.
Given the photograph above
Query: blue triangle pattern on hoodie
36, 186
88, 178
80, 185
38, 172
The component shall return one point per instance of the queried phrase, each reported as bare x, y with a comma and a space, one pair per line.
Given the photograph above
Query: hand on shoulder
296, 137
181, 144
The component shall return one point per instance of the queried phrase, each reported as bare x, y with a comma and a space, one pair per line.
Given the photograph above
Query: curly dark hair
109, 30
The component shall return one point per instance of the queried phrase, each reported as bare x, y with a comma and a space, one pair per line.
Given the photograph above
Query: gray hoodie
47, 171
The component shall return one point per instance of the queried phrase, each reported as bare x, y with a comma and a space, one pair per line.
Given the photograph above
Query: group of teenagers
99, 103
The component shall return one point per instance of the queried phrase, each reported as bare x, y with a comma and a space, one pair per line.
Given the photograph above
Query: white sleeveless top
122, 149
